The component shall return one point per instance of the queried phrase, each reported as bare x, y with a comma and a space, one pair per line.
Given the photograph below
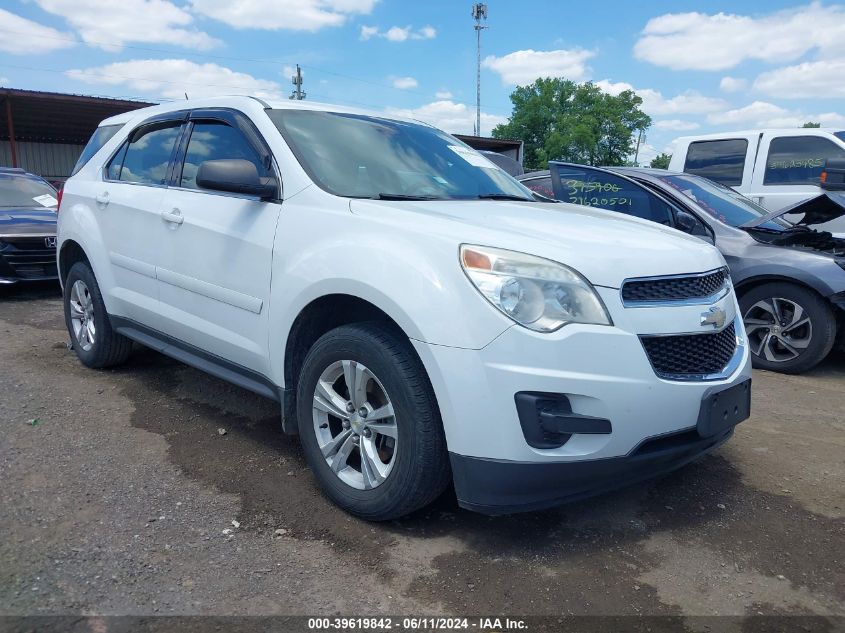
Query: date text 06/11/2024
486, 624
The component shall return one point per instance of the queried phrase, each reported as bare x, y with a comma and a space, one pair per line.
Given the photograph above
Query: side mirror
685, 222
235, 175
833, 175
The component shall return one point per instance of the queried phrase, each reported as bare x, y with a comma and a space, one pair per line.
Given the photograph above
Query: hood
604, 246
27, 221
818, 210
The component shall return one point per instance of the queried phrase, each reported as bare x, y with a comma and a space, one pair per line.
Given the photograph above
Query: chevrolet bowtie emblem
715, 317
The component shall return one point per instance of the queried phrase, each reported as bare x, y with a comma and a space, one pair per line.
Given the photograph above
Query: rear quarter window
798, 160
722, 160
99, 138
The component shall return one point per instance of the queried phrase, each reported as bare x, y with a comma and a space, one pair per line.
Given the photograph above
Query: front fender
417, 282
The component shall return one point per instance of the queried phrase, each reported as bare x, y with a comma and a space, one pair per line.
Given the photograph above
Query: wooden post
11, 127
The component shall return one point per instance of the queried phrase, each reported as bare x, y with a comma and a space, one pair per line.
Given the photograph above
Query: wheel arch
71, 252
315, 319
746, 285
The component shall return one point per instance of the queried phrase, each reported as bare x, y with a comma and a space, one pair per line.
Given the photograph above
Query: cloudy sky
699, 66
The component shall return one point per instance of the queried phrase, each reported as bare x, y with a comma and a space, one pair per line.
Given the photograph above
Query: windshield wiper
401, 196
503, 196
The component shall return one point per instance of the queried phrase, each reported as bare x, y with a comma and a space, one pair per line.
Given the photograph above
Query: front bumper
500, 487
603, 372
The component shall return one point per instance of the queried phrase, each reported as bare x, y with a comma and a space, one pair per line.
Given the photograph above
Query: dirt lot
117, 488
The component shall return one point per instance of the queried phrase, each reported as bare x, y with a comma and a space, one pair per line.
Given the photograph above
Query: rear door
789, 165
128, 205
217, 248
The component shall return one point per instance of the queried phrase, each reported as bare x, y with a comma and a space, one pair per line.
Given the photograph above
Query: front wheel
790, 329
369, 423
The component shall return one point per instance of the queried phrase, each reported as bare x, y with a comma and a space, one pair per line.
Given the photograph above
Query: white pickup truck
774, 167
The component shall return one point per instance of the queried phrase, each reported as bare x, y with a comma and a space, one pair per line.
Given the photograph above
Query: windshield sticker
472, 157
46, 200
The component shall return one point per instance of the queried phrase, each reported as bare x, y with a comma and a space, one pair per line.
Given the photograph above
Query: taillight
59, 199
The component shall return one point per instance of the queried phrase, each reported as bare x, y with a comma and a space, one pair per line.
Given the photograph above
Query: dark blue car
28, 207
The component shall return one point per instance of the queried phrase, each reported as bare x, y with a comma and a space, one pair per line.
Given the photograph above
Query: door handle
102, 198
174, 217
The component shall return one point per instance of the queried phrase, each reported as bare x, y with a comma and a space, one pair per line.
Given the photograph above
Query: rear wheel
790, 328
369, 423
95, 342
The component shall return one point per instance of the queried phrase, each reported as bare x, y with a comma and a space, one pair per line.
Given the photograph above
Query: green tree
811, 124
661, 161
559, 119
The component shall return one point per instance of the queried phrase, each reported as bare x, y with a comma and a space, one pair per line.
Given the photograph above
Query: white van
775, 168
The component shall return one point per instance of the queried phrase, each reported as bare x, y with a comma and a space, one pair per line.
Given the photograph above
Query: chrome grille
29, 257
675, 288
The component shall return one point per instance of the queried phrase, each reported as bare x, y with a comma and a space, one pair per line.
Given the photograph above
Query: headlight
537, 293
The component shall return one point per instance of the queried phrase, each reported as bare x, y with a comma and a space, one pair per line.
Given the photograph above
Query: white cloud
404, 83
398, 33
442, 95
676, 125
821, 79
764, 114
733, 84
25, 37
4, 81
698, 41
655, 104
109, 25
457, 118
290, 15
172, 78
523, 67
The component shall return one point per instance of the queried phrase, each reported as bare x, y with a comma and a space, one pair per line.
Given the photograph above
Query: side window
543, 186
591, 188
722, 161
113, 168
212, 140
798, 160
145, 158
101, 136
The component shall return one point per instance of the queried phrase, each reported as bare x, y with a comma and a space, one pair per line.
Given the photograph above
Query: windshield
21, 191
723, 203
359, 156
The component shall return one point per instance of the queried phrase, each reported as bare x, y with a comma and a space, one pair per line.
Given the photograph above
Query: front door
789, 165
217, 249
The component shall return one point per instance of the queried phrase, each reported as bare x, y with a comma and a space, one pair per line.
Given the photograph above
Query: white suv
421, 318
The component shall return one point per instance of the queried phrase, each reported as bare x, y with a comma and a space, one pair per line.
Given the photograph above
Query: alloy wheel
355, 424
82, 315
778, 329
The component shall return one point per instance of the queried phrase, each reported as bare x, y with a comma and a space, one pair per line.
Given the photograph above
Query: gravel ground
120, 495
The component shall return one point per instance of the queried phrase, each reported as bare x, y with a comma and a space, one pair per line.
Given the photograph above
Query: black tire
109, 347
421, 471
822, 322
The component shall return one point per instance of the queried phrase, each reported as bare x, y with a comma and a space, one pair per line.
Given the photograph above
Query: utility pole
640, 139
297, 93
479, 12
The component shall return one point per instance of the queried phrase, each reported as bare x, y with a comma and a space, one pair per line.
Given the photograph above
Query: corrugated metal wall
52, 161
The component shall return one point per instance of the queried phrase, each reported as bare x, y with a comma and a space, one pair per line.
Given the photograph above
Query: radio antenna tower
479, 12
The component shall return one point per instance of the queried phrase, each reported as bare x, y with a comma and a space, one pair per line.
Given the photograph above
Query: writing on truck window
798, 160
